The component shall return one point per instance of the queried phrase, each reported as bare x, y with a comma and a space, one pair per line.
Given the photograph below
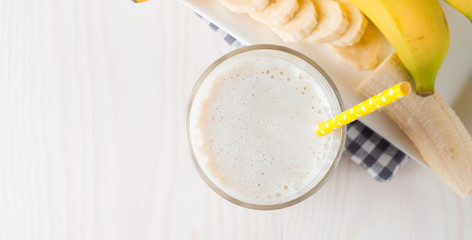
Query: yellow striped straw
370, 105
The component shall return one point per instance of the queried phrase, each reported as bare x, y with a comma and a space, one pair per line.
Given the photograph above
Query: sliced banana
300, 25
365, 53
332, 22
244, 6
430, 123
357, 24
277, 12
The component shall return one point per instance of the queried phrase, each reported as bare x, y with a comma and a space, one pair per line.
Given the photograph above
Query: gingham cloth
376, 155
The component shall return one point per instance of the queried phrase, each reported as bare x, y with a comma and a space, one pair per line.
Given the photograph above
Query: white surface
92, 102
457, 67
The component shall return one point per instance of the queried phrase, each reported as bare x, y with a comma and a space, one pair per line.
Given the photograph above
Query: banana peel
434, 128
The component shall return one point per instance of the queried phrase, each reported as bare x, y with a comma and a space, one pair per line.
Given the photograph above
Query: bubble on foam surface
258, 129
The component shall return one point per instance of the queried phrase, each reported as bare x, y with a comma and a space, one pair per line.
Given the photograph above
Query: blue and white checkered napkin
376, 155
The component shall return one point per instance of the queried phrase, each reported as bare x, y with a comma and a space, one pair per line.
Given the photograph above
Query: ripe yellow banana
417, 30
463, 6
430, 123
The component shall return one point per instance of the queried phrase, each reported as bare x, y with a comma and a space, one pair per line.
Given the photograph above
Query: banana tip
424, 93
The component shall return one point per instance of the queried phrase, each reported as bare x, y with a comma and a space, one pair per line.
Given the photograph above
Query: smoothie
252, 127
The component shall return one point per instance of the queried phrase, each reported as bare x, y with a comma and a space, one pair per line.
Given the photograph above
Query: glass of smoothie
250, 127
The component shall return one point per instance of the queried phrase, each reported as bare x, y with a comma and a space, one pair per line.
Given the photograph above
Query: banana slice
430, 123
277, 12
357, 25
332, 22
365, 53
300, 25
244, 6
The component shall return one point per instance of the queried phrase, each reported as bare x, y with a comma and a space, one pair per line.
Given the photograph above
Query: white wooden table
92, 103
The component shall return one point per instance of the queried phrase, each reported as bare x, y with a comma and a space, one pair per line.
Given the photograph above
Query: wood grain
92, 105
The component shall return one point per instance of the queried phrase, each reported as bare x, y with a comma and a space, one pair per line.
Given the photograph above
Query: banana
244, 6
300, 25
463, 6
430, 123
417, 30
365, 53
332, 21
277, 12
357, 25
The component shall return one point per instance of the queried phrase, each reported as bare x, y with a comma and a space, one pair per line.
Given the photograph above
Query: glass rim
195, 162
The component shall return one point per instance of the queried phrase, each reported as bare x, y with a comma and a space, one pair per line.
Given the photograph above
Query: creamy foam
252, 129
